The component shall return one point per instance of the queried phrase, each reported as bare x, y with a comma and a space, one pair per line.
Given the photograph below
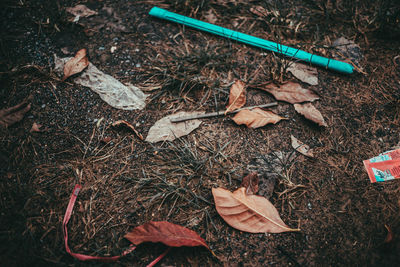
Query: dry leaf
389, 237
167, 233
310, 112
301, 147
237, 96
210, 16
165, 130
250, 182
81, 10
129, 126
291, 92
9, 116
304, 73
249, 213
347, 50
112, 91
35, 127
256, 117
76, 64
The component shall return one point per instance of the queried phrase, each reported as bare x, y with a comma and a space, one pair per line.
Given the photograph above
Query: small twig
220, 113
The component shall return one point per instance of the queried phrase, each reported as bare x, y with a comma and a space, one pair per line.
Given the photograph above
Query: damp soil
127, 182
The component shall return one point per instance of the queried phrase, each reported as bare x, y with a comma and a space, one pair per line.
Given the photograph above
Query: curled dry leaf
304, 73
301, 147
250, 182
249, 213
129, 126
9, 116
291, 92
35, 128
256, 117
76, 64
310, 112
81, 11
389, 237
170, 234
237, 96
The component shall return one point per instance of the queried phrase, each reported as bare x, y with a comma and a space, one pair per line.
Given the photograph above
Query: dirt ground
127, 182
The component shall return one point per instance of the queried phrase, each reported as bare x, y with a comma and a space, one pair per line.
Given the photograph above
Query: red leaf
167, 233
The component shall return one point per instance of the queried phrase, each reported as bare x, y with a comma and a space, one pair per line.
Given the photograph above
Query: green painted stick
328, 63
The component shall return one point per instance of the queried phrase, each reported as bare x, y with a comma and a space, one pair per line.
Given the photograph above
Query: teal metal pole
328, 63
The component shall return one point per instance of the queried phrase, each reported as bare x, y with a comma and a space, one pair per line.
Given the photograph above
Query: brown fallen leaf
35, 127
389, 237
310, 112
129, 126
76, 64
237, 96
304, 73
250, 182
210, 16
170, 234
249, 213
301, 147
81, 11
256, 117
291, 92
9, 116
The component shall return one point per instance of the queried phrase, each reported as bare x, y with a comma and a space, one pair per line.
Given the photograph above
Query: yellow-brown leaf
256, 117
76, 64
237, 96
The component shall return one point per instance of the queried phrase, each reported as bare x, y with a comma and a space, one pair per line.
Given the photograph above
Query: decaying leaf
256, 117
129, 126
9, 116
249, 213
389, 237
210, 16
250, 182
291, 92
304, 73
81, 11
170, 234
112, 91
165, 130
35, 128
76, 64
347, 50
301, 147
310, 112
237, 96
